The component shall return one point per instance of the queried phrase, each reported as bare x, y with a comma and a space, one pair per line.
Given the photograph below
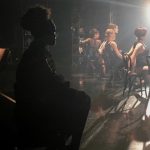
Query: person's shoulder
140, 45
99, 41
88, 39
113, 43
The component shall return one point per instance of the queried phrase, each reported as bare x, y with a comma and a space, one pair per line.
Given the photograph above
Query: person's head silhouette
140, 33
37, 20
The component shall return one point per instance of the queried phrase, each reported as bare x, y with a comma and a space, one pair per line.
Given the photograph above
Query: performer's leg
102, 66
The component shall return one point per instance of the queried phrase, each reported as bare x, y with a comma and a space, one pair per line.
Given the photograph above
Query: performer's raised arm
102, 47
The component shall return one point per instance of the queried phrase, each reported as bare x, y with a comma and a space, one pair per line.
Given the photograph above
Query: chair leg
131, 82
125, 83
141, 86
148, 93
145, 89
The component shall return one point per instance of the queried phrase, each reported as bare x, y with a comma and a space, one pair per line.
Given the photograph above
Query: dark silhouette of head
140, 32
37, 20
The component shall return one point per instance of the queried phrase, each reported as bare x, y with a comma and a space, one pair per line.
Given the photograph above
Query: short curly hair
36, 20
140, 32
112, 26
92, 32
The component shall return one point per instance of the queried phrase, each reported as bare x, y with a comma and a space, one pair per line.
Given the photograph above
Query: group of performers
105, 55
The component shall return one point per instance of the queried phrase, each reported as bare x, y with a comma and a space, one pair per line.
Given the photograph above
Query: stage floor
115, 122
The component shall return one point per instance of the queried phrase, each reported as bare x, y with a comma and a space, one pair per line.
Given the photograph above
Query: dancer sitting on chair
135, 60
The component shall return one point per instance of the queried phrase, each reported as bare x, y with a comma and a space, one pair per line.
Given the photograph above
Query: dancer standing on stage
110, 54
93, 43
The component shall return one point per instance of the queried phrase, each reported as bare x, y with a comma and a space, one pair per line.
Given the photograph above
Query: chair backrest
148, 60
127, 62
148, 63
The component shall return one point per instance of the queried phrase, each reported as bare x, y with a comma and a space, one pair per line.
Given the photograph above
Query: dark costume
93, 55
111, 60
141, 58
93, 49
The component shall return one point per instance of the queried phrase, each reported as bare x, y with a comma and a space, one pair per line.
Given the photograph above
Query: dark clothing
112, 62
92, 54
92, 49
46, 107
140, 58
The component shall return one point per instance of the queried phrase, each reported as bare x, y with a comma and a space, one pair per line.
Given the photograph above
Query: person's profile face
51, 31
96, 35
110, 35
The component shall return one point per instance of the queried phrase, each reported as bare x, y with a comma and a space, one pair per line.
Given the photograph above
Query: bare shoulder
113, 44
88, 39
140, 46
99, 41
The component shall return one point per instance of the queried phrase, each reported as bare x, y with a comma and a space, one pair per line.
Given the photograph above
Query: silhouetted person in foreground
49, 113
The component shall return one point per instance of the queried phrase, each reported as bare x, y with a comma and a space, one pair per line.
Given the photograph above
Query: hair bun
140, 31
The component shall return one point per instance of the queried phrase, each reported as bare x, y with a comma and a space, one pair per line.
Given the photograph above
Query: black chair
148, 69
131, 77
